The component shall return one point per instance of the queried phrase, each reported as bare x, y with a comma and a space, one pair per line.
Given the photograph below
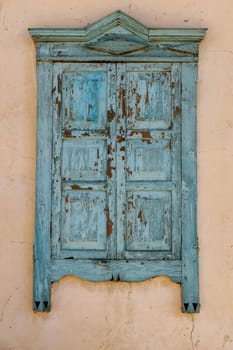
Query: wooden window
116, 155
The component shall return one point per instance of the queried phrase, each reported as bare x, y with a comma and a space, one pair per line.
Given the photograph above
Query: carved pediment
117, 46
118, 23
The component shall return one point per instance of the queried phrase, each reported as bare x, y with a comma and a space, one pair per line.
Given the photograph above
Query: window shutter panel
116, 155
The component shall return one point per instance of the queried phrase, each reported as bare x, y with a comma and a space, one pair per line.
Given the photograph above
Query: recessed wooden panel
149, 221
83, 200
84, 98
84, 220
149, 99
148, 160
84, 160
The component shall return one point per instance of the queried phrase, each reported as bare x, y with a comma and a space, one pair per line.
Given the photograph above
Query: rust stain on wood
140, 215
123, 103
169, 145
110, 168
111, 115
59, 84
77, 187
120, 138
122, 148
170, 126
118, 119
172, 85
109, 222
129, 171
130, 111
58, 102
176, 112
147, 95
137, 103
67, 133
146, 135
131, 205
110, 149
85, 134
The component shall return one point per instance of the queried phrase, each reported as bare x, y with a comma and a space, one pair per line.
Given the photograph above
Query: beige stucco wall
116, 316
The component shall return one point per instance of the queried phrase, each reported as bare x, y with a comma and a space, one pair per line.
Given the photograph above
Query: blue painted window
116, 149
116, 156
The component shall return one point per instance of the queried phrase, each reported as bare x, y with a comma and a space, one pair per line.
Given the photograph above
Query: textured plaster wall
116, 316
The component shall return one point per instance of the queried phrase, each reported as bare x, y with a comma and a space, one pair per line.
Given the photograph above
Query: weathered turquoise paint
116, 155
42, 243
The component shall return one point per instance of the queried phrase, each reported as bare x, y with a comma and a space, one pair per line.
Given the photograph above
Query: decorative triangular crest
115, 23
117, 20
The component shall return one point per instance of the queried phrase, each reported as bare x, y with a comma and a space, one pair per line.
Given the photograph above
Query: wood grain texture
116, 270
190, 282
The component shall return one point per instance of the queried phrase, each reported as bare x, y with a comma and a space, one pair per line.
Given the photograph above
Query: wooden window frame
103, 41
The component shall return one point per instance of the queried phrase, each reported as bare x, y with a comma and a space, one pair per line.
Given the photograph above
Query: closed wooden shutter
116, 155
116, 151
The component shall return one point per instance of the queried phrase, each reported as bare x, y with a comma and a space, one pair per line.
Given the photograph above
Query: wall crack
7, 302
4, 307
21, 242
222, 51
191, 334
